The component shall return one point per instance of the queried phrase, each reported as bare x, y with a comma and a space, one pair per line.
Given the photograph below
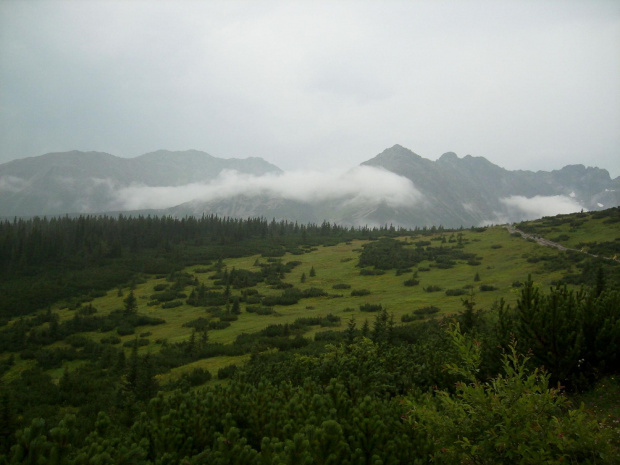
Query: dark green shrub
227, 371
260, 310
359, 292
341, 286
432, 288
369, 272
429, 310
313, 292
125, 329
197, 376
371, 308
407, 318
199, 324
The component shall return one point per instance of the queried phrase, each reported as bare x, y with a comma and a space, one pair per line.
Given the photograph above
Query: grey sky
526, 84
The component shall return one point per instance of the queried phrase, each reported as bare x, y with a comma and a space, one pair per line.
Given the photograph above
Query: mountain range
397, 186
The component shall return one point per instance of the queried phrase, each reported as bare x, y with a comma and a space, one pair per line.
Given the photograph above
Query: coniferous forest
154, 340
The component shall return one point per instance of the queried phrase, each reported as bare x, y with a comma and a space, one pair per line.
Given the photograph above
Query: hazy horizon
527, 85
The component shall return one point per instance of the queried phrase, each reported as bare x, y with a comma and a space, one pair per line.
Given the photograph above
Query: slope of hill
451, 191
332, 330
88, 182
472, 190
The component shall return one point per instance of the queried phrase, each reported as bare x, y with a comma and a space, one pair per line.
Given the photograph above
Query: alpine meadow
213, 340
310, 232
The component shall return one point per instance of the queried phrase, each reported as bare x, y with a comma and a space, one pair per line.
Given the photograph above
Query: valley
234, 305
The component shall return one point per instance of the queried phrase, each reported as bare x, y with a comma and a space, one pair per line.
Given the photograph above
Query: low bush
432, 288
359, 292
227, 372
429, 310
407, 318
371, 308
197, 376
368, 272
341, 286
260, 310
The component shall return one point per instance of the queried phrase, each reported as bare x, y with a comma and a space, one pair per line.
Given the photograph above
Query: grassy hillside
283, 350
501, 262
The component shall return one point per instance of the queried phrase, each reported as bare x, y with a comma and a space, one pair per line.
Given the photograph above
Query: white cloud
539, 206
12, 183
361, 185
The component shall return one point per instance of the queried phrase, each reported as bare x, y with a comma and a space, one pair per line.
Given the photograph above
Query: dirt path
548, 243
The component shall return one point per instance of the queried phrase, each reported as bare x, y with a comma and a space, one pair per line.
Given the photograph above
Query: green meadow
502, 263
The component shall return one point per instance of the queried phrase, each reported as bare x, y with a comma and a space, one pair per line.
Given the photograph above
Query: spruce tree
131, 304
350, 331
236, 307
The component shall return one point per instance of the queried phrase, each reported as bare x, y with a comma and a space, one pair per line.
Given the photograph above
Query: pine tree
380, 327
131, 304
468, 318
204, 338
236, 307
366, 328
350, 331
132, 368
303, 278
312, 272
146, 384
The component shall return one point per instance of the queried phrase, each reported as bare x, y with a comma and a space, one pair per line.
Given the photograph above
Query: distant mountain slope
472, 190
451, 191
86, 182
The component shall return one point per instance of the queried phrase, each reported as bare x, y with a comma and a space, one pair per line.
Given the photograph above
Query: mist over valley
396, 187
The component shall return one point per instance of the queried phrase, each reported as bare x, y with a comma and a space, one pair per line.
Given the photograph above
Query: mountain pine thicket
484, 385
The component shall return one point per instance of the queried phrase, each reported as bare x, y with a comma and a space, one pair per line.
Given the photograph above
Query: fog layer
361, 185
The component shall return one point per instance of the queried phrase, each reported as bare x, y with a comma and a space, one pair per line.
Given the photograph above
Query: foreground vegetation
225, 341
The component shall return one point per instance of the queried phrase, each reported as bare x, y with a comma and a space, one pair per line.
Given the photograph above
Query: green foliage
574, 334
432, 288
512, 418
341, 286
371, 307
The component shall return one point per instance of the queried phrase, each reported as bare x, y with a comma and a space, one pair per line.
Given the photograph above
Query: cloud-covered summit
397, 186
361, 185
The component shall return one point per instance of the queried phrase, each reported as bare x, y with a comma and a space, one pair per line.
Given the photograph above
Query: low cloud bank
361, 185
520, 208
12, 183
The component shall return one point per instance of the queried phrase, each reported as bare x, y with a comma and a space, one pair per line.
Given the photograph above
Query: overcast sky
526, 84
